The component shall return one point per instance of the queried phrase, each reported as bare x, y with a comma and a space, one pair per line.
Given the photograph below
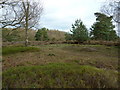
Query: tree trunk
26, 37
26, 20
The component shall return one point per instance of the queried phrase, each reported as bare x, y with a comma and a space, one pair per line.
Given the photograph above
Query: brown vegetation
53, 35
95, 55
83, 66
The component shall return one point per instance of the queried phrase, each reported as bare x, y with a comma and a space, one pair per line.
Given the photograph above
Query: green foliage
13, 49
113, 35
41, 35
59, 75
79, 31
17, 35
102, 29
68, 36
13, 36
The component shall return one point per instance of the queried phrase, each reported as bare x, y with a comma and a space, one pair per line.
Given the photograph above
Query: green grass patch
13, 49
58, 75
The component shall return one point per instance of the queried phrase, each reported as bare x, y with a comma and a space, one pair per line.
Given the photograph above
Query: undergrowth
58, 75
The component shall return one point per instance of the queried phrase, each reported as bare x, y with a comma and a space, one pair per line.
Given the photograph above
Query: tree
41, 35
103, 27
112, 8
21, 13
79, 31
113, 35
68, 36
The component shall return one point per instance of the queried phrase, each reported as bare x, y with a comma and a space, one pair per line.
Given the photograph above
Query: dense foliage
41, 35
68, 36
102, 29
79, 31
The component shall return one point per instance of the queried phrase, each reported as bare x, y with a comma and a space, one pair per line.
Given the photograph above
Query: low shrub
59, 75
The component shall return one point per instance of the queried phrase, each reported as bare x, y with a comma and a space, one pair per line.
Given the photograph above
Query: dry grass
97, 55
62, 65
56, 35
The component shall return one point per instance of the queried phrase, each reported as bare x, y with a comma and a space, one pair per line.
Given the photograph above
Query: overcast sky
60, 14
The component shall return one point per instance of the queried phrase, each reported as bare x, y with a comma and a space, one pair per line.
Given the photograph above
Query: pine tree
41, 35
103, 28
79, 31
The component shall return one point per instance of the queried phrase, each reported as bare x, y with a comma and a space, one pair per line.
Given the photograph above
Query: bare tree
21, 13
112, 8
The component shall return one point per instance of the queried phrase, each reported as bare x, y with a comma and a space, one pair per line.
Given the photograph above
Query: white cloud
60, 14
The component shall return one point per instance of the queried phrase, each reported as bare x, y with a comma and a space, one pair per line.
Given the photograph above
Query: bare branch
21, 13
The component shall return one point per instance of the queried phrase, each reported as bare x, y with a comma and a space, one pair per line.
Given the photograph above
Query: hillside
56, 35
19, 35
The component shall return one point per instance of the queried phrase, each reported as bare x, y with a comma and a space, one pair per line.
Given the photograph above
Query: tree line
26, 14
102, 29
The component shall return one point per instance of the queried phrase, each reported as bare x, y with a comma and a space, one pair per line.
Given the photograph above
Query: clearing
61, 65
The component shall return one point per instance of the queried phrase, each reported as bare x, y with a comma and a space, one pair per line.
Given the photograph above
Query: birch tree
21, 14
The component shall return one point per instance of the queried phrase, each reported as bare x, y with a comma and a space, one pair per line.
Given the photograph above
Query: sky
61, 14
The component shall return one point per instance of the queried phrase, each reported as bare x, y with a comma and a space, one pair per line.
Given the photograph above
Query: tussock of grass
13, 49
59, 75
